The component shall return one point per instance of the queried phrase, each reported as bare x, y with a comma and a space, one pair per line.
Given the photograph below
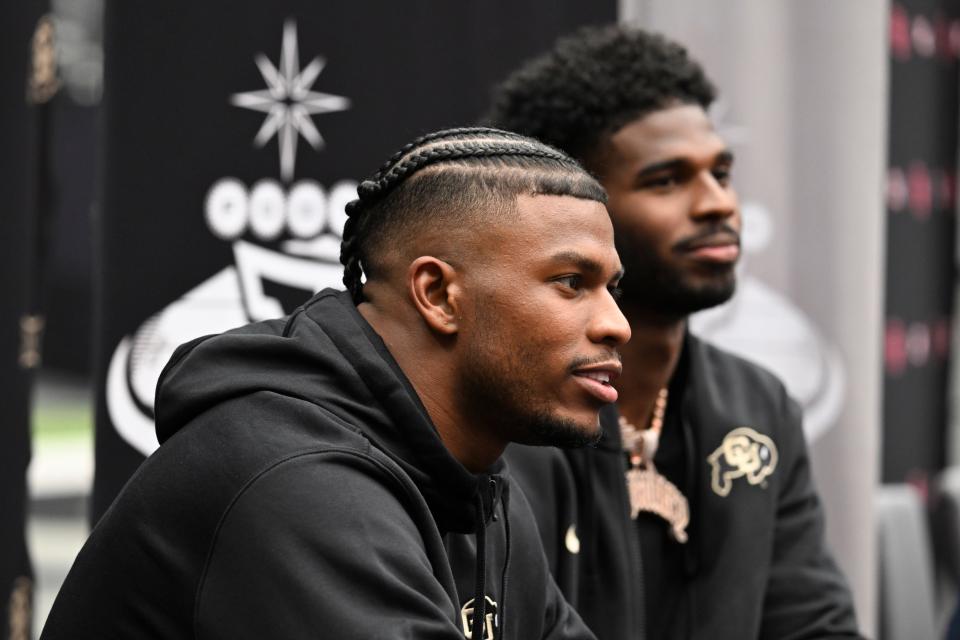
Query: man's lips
597, 379
716, 247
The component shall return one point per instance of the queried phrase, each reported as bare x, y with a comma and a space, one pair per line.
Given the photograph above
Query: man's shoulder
729, 371
327, 479
261, 426
224, 454
726, 394
207, 474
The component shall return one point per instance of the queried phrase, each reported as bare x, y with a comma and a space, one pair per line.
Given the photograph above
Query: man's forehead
547, 212
551, 227
538, 224
683, 131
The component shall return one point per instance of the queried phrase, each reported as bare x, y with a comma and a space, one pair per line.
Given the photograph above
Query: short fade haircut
450, 179
592, 83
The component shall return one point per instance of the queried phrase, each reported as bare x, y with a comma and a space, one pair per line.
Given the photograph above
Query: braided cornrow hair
471, 150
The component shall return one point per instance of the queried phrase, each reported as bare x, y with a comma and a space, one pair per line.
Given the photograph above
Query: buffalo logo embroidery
490, 618
744, 453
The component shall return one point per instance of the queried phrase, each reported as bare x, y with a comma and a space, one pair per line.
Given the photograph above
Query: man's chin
564, 432
710, 297
690, 298
713, 288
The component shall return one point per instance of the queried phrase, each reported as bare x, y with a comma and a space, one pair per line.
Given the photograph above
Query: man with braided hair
717, 532
336, 473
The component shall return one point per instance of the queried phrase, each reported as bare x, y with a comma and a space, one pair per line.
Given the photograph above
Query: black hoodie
301, 490
756, 566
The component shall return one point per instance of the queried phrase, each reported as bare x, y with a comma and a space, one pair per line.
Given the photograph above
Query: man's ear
435, 291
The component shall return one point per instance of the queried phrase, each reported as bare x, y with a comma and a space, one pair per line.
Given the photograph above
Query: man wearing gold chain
696, 515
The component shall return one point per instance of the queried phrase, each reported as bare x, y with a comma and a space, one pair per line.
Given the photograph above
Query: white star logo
288, 101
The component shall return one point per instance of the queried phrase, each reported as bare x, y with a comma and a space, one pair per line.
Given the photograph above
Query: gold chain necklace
648, 490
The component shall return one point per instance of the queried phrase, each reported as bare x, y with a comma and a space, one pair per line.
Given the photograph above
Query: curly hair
442, 179
594, 82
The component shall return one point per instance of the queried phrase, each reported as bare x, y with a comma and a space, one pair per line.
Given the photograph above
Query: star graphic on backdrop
288, 101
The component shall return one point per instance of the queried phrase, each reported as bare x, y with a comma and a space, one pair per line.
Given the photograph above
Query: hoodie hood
327, 354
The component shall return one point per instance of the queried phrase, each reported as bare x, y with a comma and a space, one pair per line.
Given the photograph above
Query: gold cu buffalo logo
490, 618
744, 453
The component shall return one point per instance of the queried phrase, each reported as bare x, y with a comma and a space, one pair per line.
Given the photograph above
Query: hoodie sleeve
806, 595
325, 545
563, 622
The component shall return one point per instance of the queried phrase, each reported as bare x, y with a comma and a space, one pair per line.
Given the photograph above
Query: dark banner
27, 81
234, 134
921, 238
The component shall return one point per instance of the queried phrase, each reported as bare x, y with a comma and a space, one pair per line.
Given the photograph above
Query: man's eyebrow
725, 157
582, 262
657, 167
579, 260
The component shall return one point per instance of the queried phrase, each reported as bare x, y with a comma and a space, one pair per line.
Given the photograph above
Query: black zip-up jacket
756, 565
301, 491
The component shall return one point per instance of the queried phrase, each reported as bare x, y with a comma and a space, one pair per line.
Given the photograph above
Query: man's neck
475, 447
649, 361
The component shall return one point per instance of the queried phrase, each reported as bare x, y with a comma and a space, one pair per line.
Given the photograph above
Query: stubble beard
494, 389
556, 431
662, 289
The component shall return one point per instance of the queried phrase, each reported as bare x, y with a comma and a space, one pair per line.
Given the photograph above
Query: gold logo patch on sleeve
744, 453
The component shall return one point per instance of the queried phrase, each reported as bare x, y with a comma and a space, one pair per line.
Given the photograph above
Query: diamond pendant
651, 492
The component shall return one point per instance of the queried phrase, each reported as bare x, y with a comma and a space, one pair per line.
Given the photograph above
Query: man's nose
608, 325
714, 198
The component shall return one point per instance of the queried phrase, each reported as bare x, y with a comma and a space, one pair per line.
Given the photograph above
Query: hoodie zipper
478, 626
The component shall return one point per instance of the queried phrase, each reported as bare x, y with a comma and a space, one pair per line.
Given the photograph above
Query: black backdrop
20, 116
921, 238
200, 228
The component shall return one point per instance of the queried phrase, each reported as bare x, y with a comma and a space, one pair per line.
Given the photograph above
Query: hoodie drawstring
502, 612
479, 595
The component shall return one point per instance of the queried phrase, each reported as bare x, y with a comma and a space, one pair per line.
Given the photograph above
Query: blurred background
175, 169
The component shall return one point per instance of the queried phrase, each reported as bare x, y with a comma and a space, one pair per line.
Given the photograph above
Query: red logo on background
898, 194
899, 33
941, 34
921, 190
923, 36
948, 189
941, 338
948, 37
916, 344
954, 38
895, 347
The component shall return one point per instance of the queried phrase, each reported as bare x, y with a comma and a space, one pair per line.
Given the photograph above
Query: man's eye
615, 292
661, 182
572, 281
722, 175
